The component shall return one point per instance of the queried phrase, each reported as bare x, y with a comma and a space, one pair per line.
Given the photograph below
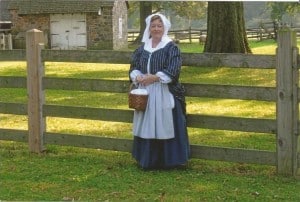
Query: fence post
9, 42
287, 102
2, 41
190, 34
296, 140
36, 97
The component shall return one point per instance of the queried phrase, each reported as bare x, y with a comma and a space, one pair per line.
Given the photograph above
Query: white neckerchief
161, 44
148, 47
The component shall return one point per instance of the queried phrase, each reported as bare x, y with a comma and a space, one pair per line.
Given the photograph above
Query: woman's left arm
173, 62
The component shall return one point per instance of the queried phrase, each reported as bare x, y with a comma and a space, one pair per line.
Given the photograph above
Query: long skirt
169, 153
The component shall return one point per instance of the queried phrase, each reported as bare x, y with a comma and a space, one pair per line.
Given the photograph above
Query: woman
160, 133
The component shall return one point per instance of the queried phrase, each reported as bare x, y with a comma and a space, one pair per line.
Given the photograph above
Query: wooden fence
177, 35
5, 41
285, 94
199, 35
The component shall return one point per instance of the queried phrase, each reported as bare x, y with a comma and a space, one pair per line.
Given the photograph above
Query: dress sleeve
135, 58
134, 70
173, 62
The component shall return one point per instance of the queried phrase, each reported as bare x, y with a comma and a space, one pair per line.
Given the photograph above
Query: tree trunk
145, 11
226, 31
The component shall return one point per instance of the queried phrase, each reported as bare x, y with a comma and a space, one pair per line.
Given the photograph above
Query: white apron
156, 122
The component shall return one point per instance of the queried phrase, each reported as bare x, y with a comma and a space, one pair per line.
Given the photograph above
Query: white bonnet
166, 23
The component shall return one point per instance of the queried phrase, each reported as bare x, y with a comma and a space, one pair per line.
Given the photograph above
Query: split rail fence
285, 126
199, 35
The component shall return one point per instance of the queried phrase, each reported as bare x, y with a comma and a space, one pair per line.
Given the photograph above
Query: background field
68, 173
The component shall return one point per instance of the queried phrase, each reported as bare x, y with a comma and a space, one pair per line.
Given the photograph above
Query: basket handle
131, 86
136, 86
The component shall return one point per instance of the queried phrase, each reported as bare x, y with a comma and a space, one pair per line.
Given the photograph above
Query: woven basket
137, 102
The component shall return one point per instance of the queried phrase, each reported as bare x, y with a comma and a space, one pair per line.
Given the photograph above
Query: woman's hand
147, 79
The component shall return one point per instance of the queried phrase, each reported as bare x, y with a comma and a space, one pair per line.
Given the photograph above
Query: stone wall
99, 30
28, 22
102, 30
21, 24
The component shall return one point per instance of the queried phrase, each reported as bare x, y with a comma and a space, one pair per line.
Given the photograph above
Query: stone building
73, 24
5, 23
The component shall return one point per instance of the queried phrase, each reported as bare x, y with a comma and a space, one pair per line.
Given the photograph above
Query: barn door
68, 31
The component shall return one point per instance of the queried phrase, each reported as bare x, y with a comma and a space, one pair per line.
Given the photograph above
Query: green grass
257, 47
68, 173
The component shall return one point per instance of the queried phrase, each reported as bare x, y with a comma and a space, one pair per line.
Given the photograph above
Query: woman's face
156, 29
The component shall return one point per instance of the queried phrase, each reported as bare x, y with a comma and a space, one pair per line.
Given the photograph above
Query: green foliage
192, 10
180, 12
279, 9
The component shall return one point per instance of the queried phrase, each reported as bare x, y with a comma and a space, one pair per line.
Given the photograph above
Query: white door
68, 31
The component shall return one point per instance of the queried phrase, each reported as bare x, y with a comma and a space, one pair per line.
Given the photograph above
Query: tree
226, 32
192, 10
145, 10
279, 9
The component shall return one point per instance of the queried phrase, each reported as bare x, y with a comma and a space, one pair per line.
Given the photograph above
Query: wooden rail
285, 94
192, 34
189, 59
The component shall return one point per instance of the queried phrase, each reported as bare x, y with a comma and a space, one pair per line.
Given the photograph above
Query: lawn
68, 173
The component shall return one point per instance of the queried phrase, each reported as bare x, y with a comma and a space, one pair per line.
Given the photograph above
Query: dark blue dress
168, 153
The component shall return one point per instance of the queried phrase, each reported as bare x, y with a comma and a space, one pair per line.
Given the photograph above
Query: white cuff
163, 78
134, 74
